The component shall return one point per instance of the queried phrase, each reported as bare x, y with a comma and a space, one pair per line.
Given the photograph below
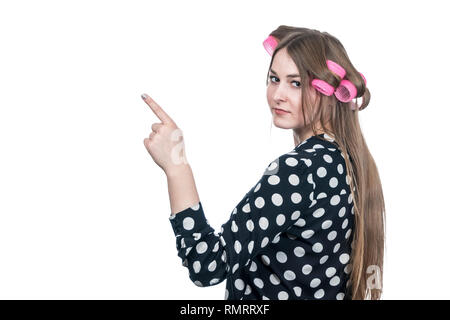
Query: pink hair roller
346, 90
270, 44
324, 87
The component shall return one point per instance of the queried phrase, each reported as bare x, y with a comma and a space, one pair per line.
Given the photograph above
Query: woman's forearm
182, 189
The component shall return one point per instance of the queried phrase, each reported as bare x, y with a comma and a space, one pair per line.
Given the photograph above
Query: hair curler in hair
270, 44
324, 87
346, 90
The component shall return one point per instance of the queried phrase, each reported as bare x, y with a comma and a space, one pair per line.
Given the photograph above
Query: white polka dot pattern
289, 236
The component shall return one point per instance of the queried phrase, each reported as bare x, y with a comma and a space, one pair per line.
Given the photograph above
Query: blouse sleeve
271, 207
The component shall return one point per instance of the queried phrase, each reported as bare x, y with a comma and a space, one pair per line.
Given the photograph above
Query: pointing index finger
157, 110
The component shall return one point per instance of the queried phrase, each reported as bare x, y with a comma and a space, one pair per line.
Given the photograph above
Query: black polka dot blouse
288, 238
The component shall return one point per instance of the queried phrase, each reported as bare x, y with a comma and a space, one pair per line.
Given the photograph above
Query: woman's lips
280, 111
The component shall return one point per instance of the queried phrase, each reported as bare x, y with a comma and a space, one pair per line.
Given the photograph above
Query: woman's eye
298, 83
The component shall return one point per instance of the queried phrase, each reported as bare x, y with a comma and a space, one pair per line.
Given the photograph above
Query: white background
84, 210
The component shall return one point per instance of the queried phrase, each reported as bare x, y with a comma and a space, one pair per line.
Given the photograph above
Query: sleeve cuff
189, 220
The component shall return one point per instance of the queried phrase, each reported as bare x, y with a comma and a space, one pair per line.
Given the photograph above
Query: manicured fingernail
144, 96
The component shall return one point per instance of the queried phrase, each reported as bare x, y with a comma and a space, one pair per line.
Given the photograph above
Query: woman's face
284, 92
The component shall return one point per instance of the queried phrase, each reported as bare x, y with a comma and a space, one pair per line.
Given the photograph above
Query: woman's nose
280, 93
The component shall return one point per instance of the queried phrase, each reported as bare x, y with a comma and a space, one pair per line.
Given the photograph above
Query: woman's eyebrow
288, 76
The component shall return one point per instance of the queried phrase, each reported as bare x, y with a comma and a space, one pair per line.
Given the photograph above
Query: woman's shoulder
307, 157
319, 141
317, 151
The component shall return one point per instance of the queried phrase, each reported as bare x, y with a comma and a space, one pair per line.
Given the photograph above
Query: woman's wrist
182, 189
177, 169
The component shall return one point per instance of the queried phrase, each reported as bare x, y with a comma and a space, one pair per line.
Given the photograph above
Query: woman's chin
282, 124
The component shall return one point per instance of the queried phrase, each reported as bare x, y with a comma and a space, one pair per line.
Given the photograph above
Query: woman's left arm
166, 146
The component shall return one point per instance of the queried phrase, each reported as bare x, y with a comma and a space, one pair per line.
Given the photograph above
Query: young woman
312, 227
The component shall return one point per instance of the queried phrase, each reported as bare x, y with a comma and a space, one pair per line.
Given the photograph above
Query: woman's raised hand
165, 143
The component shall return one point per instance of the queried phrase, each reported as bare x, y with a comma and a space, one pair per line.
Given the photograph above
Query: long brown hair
309, 49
